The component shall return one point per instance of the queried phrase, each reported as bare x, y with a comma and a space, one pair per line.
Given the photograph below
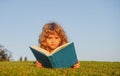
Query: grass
88, 68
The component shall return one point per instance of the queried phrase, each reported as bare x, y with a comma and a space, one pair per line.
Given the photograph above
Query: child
52, 36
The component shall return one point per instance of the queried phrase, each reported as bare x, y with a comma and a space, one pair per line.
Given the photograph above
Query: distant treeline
5, 55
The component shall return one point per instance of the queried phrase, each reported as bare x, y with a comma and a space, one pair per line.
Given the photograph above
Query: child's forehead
53, 34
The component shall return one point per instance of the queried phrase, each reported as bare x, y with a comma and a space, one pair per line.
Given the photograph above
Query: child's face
53, 41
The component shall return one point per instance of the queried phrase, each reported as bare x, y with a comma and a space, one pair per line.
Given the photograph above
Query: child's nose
53, 41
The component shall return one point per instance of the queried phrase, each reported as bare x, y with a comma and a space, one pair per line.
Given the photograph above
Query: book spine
52, 62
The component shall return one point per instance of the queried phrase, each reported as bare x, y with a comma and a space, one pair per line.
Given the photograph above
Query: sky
93, 26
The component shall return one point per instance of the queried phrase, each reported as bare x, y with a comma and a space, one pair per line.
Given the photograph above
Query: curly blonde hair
51, 28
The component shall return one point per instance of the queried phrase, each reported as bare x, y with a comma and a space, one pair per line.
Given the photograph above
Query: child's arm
77, 65
38, 64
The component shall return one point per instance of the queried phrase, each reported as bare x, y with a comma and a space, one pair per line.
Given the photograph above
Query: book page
43, 51
60, 47
47, 53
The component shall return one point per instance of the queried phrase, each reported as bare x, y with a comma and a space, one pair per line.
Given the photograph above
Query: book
63, 56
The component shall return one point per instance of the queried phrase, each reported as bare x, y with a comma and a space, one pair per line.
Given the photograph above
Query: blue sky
93, 25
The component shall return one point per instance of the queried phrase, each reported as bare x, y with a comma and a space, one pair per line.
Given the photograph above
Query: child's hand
38, 64
77, 65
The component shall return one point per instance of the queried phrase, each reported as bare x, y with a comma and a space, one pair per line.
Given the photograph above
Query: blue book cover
62, 57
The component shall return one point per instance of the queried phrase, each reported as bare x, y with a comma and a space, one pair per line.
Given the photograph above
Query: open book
63, 56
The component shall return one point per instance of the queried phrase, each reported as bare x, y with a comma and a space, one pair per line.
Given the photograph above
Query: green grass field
88, 68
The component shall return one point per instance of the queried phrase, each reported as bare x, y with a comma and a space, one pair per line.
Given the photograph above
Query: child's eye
56, 37
49, 37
